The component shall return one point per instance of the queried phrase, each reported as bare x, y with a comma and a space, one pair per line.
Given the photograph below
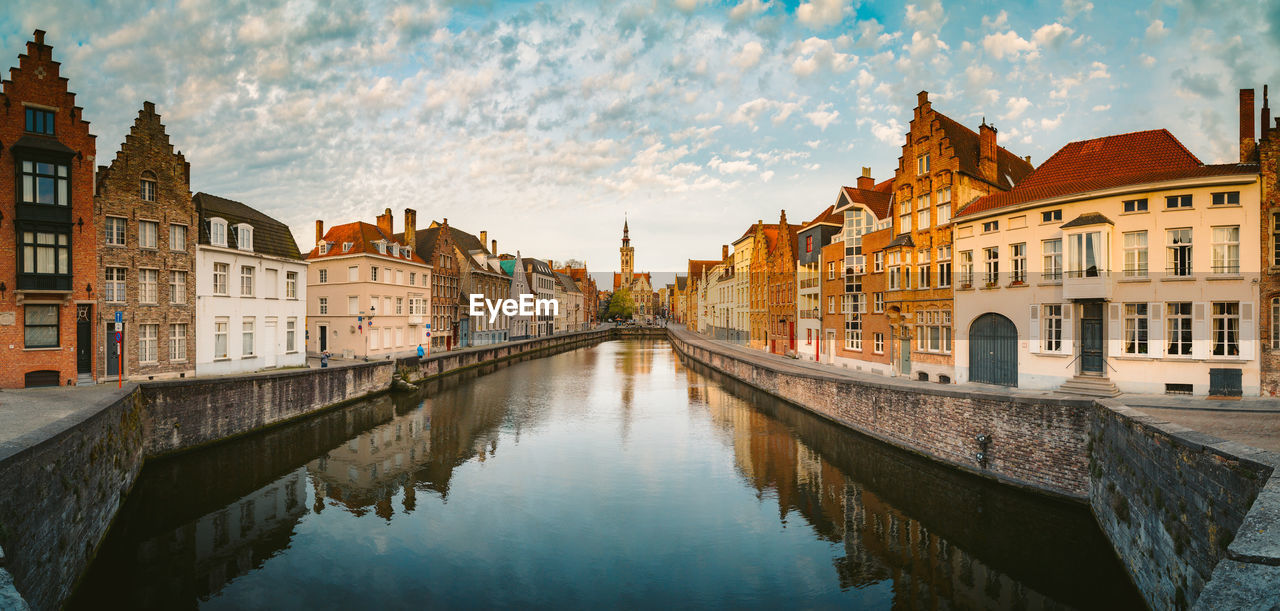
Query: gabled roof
680, 283
270, 237
696, 266
567, 283
902, 240
1107, 163
876, 199
362, 237
829, 216
1086, 219
967, 144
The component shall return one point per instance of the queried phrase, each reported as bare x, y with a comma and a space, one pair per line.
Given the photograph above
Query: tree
621, 305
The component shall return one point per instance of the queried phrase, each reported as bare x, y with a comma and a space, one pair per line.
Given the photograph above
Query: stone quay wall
1195, 519
64, 491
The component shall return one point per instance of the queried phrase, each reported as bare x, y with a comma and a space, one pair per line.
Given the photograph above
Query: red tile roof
826, 216
361, 236
967, 144
877, 198
1107, 163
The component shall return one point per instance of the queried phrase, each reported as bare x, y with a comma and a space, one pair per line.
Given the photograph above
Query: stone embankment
1194, 518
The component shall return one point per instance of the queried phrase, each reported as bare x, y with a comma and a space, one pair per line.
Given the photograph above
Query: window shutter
1247, 335
1114, 347
1200, 338
1033, 329
1155, 329
1068, 329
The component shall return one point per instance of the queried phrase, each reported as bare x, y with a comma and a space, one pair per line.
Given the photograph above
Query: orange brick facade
1268, 152
50, 283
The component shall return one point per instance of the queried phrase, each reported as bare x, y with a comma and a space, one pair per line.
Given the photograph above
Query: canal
615, 475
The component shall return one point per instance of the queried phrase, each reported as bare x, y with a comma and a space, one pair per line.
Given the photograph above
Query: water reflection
625, 477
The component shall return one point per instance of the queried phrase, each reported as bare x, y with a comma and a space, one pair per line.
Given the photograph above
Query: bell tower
628, 255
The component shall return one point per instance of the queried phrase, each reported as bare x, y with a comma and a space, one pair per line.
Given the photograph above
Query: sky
545, 123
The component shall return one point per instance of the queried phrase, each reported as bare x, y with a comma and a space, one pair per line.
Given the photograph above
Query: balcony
1086, 284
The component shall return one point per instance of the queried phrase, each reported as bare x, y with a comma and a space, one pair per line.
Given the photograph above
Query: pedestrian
324, 359
421, 352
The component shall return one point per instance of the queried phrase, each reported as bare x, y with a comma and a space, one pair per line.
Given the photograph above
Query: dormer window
381, 246
346, 246
148, 186
408, 252
323, 247
244, 236
395, 250
218, 232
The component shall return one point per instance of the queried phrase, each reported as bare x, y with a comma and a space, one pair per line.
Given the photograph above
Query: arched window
148, 187
218, 232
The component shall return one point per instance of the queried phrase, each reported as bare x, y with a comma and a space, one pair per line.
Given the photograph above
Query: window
291, 335
1178, 259
992, 258
922, 276
1275, 323
40, 326
373, 273
220, 337
1051, 216
399, 306
386, 274
878, 346
246, 281
944, 205
178, 342
1135, 254
244, 237
177, 237
966, 268
246, 331
399, 276
904, 221
1135, 205
877, 302
1051, 323
147, 234
324, 306
895, 278
353, 305
853, 333
147, 282
114, 230
1052, 259
1275, 238
220, 272
291, 285
148, 186
933, 334
353, 273
1178, 317
879, 261
40, 121
114, 290
1229, 198
1177, 201
922, 164
177, 287
831, 306
413, 278
218, 232
45, 252
1084, 254
45, 183
1226, 250
808, 243
323, 247
147, 336
990, 226
944, 273
922, 212
1226, 328
1135, 328
1018, 257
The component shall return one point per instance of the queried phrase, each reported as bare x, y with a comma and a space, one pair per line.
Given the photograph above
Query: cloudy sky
543, 123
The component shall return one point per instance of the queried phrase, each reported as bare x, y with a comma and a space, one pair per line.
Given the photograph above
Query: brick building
944, 165
813, 237
147, 254
48, 271
863, 331
781, 310
480, 273
1268, 158
436, 246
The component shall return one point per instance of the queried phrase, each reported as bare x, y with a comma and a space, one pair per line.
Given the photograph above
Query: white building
251, 290
1122, 264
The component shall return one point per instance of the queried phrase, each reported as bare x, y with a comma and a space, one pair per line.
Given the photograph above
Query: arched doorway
993, 350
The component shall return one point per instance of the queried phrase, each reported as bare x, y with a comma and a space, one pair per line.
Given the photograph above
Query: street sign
119, 317
119, 327
428, 326
118, 337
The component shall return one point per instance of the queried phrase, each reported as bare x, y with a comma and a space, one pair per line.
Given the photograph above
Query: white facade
251, 311
1165, 291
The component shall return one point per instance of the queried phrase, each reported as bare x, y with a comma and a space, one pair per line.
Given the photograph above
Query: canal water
618, 475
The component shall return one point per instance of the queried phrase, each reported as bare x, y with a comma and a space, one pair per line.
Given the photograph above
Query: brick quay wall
1194, 519
64, 490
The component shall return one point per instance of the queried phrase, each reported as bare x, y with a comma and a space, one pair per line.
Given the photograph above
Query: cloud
749, 112
740, 166
926, 16
814, 53
1051, 35
1156, 30
1146, 60
1016, 106
822, 117
749, 55
1101, 108
1098, 70
1072, 8
749, 8
819, 14
999, 22
1007, 44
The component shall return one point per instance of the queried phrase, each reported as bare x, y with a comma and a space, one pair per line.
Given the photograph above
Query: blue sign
428, 325
118, 337
119, 318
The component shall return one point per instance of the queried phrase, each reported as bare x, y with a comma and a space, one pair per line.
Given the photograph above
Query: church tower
628, 256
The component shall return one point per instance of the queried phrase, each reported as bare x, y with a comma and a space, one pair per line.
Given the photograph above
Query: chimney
410, 227
319, 231
385, 224
724, 252
494, 250
484, 237
1248, 148
1266, 115
987, 152
866, 182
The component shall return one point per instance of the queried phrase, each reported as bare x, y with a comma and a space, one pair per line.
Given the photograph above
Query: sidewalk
1254, 421
29, 416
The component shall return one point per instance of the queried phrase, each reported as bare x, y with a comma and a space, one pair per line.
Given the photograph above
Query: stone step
1089, 386
85, 379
